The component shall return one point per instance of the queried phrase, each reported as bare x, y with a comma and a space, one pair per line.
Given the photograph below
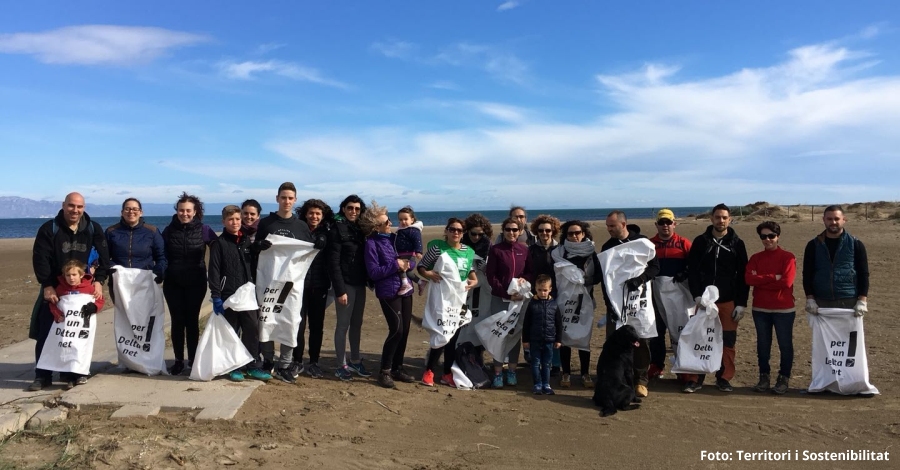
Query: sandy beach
333, 424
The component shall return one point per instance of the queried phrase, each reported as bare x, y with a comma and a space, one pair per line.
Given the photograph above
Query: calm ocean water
26, 228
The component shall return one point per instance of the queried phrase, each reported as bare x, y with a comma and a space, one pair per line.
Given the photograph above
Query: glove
158, 279
737, 314
812, 307
634, 283
264, 245
680, 277
861, 308
218, 305
89, 308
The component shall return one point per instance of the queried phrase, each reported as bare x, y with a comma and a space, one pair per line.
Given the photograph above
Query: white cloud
249, 70
263, 49
444, 85
508, 5
395, 49
499, 63
98, 44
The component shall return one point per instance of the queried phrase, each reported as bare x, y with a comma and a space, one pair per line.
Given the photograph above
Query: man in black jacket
718, 257
70, 235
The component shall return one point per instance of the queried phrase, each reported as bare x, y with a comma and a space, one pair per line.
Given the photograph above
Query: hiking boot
537, 389
344, 374
313, 370
177, 368
259, 374
284, 375
565, 381
689, 387
548, 391
403, 376
763, 385
447, 379
511, 379
498, 380
81, 380
654, 372
586, 380
360, 369
385, 380
641, 391
781, 385
69, 385
724, 385
236, 376
428, 378
296, 369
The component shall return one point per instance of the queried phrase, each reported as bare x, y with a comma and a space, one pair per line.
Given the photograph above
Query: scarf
481, 247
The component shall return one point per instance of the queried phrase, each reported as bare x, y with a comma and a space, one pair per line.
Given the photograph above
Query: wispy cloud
264, 49
395, 49
443, 85
249, 70
99, 44
508, 5
496, 61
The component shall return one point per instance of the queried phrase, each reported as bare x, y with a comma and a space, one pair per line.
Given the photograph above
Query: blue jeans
541, 357
784, 332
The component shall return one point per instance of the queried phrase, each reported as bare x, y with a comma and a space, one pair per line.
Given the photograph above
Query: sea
27, 228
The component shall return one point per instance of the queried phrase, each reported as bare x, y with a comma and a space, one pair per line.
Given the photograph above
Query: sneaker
689, 387
403, 376
360, 369
177, 368
268, 366
586, 379
296, 369
511, 378
654, 372
236, 376
69, 385
537, 389
724, 386
763, 385
781, 385
344, 374
428, 378
81, 380
284, 375
498, 381
422, 285
259, 374
405, 288
385, 380
548, 391
565, 381
641, 391
314, 371
447, 379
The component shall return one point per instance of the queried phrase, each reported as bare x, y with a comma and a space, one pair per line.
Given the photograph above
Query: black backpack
470, 363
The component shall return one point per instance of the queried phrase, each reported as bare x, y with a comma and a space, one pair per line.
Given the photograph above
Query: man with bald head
70, 235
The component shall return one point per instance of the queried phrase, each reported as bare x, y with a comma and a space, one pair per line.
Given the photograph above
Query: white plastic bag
460, 379
139, 321
70, 344
243, 299
219, 351
619, 264
280, 276
674, 299
839, 361
700, 345
575, 304
501, 331
478, 303
445, 310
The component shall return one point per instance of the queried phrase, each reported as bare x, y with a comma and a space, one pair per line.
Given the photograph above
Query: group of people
359, 250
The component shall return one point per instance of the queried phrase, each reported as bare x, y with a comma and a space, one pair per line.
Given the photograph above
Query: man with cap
835, 268
672, 252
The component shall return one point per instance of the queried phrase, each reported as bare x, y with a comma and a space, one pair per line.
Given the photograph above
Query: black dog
615, 373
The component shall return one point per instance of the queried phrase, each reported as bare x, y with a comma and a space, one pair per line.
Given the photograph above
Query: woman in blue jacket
135, 244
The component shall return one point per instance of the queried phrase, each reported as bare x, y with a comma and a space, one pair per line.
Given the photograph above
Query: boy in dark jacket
542, 333
230, 264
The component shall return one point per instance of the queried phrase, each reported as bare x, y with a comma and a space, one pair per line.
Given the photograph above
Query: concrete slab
136, 411
14, 417
219, 399
47, 416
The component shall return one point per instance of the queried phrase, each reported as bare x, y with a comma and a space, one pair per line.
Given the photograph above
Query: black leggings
565, 359
434, 355
658, 344
246, 324
184, 301
314, 311
397, 313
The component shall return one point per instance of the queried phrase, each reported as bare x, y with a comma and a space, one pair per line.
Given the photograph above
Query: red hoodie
769, 294
63, 288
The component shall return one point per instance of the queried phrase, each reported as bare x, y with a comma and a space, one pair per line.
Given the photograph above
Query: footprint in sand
523, 420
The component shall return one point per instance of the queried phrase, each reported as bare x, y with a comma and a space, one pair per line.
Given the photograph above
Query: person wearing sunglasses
771, 274
506, 261
578, 248
525, 236
672, 252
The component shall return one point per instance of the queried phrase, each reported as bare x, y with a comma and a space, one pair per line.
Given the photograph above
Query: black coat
543, 322
721, 263
230, 260
346, 258
55, 243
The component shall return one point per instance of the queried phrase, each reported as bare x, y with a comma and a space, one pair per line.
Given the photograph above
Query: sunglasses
476, 234
770, 236
572, 234
664, 222
545, 230
386, 221
510, 229
352, 208
454, 230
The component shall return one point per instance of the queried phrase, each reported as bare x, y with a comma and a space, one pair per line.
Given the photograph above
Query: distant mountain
13, 207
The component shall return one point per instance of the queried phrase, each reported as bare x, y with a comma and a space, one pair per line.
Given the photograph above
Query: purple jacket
381, 265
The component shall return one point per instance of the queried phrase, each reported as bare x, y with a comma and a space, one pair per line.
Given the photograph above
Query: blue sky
453, 105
